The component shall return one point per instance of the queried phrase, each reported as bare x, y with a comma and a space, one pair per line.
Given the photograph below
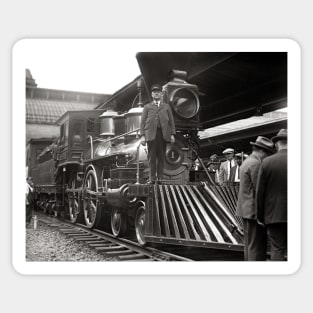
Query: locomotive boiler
96, 174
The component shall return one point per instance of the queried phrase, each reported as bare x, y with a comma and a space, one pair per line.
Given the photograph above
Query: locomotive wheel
140, 225
118, 223
73, 209
92, 212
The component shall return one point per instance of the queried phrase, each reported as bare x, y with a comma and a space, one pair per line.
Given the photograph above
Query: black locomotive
96, 174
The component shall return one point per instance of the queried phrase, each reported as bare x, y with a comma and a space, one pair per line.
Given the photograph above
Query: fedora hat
281, 135
156, 87
228, 150
264, 143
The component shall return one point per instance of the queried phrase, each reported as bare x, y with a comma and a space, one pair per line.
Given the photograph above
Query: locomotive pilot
157, 129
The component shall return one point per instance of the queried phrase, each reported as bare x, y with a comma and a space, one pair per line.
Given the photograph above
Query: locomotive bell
133, 119
107, 123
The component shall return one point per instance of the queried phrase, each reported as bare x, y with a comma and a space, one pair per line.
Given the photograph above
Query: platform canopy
232, 86
239, 134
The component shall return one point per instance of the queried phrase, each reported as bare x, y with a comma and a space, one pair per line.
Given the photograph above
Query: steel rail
107, 244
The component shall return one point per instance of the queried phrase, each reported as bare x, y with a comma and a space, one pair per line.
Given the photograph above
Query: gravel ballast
47, 243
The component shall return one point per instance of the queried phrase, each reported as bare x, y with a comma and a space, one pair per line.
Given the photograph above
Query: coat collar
282, 151
253, 156
157, 107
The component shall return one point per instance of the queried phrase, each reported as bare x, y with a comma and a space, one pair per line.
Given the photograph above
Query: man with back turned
157, 129
271, 197
254, 234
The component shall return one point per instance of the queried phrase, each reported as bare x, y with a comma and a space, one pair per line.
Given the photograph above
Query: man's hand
143, 140
260, 223
172, 139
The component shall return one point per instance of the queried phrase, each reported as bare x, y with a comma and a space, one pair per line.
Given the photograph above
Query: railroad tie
118, 253
111, 248
133, 257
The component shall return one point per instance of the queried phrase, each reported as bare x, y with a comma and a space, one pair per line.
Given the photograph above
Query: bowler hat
156, 87
228, 150
264, 143
281, 135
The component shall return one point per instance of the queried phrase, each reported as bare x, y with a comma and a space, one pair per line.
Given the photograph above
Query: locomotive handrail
108, 140
137, 161
116, 137
206, 171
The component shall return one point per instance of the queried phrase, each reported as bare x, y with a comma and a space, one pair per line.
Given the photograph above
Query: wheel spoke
91, 210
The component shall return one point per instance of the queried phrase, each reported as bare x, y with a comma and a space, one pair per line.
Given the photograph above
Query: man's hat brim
228, 151
156, 87
282, 135
276, 138
268, 149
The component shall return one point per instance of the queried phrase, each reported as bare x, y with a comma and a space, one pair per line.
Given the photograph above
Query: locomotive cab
76, 127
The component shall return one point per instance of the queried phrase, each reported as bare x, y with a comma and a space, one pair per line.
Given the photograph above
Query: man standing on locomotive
157, 129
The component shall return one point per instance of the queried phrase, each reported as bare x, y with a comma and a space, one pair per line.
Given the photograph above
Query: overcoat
248, 180
149, 121
271, 193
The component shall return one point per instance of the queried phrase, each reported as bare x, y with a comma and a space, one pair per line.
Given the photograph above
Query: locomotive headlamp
185, 103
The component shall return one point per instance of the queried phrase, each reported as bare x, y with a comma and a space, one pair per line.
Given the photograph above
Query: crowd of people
262, 197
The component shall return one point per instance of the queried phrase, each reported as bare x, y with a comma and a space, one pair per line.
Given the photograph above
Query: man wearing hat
234, 171
225, 168
213, 168
271, 197
254, 234
214, 157
157, 129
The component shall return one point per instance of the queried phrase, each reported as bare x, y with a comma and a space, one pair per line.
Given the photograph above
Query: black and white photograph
156, 156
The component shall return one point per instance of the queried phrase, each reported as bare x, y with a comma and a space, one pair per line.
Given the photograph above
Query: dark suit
271, 201
254, 234
157, 125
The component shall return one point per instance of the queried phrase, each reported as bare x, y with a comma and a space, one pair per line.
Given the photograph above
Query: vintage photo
181, 160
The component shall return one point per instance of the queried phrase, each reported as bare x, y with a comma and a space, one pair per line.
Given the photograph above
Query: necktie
228, 172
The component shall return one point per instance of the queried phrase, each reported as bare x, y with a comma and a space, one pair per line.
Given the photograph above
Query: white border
158, 268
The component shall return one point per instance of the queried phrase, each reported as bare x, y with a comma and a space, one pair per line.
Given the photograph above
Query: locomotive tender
96, 174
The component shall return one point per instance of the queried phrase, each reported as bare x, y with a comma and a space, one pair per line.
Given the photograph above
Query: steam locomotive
96, 174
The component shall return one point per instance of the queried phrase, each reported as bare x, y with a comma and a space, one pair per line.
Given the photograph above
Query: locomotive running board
191, 215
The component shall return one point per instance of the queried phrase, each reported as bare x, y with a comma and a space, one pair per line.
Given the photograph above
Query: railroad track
105, 243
